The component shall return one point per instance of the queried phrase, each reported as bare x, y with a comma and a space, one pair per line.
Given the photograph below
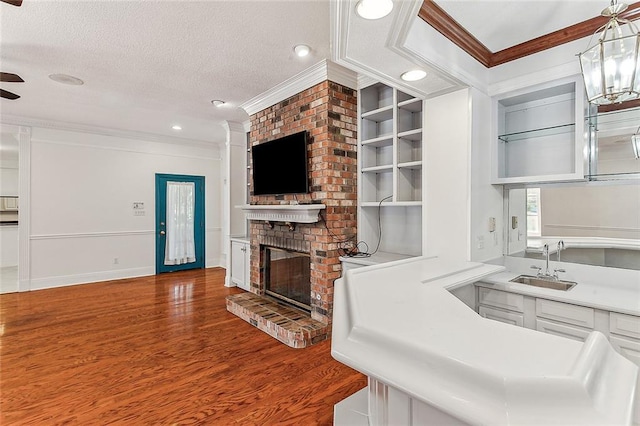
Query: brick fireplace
328, 111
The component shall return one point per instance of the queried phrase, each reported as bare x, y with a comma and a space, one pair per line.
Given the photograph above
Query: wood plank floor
156, 350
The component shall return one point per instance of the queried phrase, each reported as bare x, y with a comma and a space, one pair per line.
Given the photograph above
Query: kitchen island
431, 359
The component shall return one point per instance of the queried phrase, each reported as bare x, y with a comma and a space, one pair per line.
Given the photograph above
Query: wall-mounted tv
280, 166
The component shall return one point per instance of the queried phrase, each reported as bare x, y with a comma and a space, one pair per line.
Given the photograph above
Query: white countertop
398, 323
591, 293
609, 289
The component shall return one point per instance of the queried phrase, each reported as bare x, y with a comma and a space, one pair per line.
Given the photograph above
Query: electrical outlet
480, 242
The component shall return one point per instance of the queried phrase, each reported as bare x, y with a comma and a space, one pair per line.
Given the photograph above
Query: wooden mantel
291, 213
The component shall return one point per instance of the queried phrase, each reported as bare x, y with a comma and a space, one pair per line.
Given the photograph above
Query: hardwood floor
156, 350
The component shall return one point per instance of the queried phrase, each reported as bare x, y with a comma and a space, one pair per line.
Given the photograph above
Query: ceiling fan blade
10, 78
13, 2
8, 95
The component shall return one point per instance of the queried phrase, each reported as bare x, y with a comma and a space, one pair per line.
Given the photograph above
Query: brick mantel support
328, 111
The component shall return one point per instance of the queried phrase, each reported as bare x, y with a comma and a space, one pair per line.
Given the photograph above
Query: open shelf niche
540, 133
390, 171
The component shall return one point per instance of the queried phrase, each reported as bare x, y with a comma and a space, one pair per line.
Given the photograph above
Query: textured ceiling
150, 64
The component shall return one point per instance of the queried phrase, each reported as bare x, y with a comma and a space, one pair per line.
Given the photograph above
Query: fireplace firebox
287, 276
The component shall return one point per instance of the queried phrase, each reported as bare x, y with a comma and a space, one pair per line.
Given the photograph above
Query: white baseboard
67, 280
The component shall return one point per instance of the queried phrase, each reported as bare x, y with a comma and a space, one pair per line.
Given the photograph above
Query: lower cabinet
240, 264
629, 348
563, 330
562, 319
513, 318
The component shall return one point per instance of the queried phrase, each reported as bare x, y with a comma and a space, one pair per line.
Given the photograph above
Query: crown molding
405, 13
323, 70
442, 22
233, 126
104, 131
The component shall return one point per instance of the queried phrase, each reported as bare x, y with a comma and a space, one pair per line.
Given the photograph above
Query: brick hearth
328, 112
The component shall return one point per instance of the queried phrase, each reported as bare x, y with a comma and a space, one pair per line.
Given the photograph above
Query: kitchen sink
544, 282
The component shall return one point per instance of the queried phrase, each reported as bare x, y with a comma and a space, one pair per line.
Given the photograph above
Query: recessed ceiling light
218, 103
301, 50
374, 9
413, 75
176, 127
66, 79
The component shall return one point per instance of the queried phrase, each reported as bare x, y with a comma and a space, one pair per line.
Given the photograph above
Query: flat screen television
280, 166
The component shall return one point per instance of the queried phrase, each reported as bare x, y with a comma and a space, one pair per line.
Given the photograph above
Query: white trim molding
323, 70
24, 213
105, 131
293, 213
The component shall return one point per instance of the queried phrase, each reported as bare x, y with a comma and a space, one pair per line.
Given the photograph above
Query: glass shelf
537, 133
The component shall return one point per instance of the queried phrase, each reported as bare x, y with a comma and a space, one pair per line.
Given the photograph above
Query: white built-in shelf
378, 142
416, 165
413, 105
377, 169
413, 135
390, 161
380, 114
539, 133
292, 213
392, 204
376, 258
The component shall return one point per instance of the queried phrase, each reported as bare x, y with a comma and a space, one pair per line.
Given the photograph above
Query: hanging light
611, 67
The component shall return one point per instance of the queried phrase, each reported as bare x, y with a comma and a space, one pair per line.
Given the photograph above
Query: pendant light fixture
611, 67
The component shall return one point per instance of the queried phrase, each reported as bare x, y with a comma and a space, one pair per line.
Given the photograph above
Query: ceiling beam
619, 106
435, 16
442, 22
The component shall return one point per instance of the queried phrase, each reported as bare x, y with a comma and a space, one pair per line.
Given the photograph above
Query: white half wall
83, 186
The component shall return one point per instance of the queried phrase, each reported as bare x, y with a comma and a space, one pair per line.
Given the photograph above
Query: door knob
162, 232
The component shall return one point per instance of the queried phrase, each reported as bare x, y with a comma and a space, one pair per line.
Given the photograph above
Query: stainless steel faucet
560, 248
547, 274
545, 252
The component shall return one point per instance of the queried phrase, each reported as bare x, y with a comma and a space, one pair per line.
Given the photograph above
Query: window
534, 216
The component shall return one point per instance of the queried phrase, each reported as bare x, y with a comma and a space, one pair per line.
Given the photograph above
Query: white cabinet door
563, 330
501, 299
628, 348
502, 316
239, 270
565, 312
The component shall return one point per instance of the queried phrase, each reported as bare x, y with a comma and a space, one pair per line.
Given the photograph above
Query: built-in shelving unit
390, 170
539, 133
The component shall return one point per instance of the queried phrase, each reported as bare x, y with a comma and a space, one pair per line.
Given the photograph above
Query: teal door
180, 223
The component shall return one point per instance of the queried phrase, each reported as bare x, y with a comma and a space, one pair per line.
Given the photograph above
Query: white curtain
180, 247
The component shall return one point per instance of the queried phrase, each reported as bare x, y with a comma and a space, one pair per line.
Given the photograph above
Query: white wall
609, 211
9, 181
82, 189
447, 166
486, 199
8, 246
